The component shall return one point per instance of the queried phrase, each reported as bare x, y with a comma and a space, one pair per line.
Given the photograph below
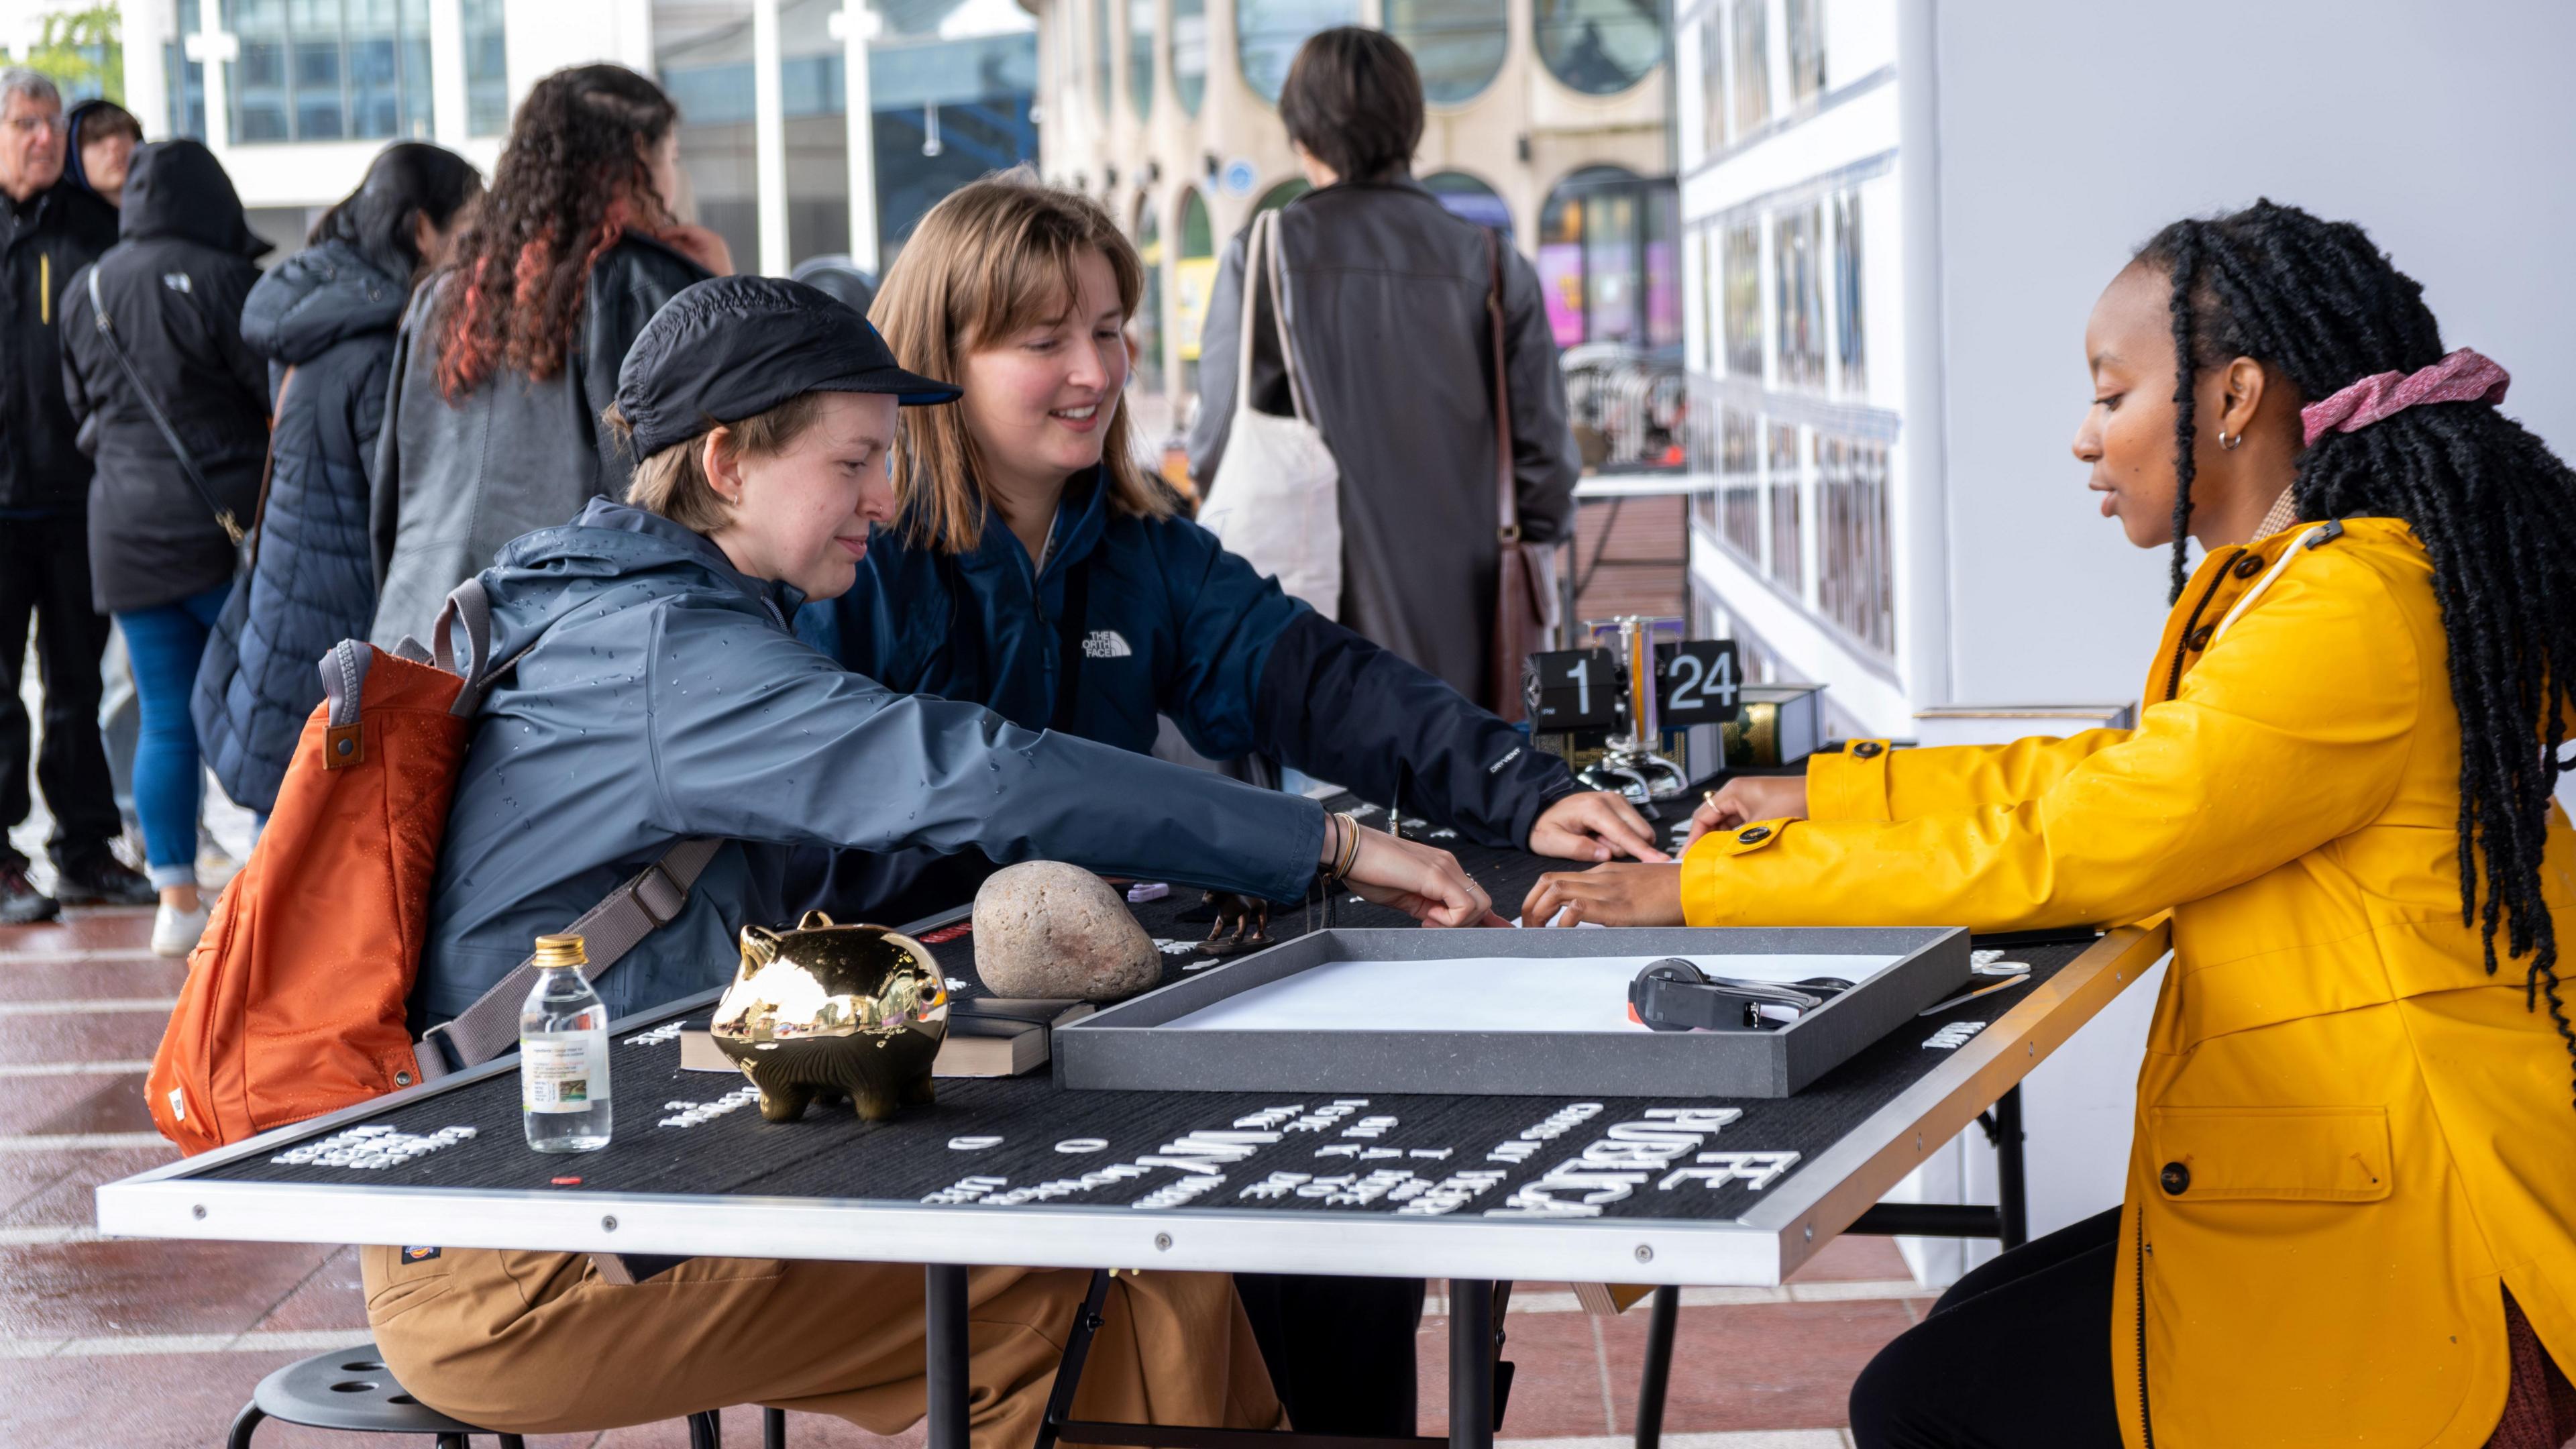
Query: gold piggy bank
827, 1010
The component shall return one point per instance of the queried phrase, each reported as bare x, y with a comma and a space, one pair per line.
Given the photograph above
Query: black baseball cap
730, 348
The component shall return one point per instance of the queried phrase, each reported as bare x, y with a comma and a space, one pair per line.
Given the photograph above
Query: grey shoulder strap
635, 910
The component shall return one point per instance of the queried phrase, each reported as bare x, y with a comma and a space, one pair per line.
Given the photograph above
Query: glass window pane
1663, 208
1458, 45
1103, 63
1193, 278
1744, 300
1268, 32
1784, 562
1752, 66
1466, 196
1798, 298
1855, 580
1851, 328
1149, 306
1806, 49
487, 69
1189, 53
1140, 57
1712, 82
1600, 46
1739, 498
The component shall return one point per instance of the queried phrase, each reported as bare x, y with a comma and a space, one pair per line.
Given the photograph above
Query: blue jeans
164, 644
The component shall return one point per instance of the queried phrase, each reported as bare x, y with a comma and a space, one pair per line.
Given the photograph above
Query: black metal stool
350, 1390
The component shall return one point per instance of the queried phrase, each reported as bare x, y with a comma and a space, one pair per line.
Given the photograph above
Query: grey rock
1047, 929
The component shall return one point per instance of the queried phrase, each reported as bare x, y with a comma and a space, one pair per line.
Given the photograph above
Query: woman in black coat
178, 425
325, 321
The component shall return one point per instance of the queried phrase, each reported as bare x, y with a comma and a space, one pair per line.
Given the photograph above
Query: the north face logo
1106, 644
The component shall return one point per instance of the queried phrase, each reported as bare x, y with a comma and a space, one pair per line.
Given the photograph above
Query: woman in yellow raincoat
2351, 1209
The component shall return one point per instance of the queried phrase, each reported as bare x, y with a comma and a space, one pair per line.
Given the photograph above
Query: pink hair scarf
2463, 376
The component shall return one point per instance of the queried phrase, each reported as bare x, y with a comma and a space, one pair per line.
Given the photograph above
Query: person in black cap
659, 697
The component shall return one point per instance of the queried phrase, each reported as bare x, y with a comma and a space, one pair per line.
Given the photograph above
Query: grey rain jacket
452, 483
1386, 306
664, 698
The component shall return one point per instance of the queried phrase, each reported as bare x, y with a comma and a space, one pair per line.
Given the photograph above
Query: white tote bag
1275, 500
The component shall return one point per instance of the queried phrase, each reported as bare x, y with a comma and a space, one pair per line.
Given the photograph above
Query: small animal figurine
827, 1010
1242, 924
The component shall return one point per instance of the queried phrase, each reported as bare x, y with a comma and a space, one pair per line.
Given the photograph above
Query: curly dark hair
572, 179
2319, 304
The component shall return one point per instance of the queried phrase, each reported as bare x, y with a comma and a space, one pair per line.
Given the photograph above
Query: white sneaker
175, 932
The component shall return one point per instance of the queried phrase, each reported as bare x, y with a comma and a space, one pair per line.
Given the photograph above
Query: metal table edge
1467, 1245
1827, 1194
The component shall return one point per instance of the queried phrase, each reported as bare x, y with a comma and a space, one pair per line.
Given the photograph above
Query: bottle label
567, 1073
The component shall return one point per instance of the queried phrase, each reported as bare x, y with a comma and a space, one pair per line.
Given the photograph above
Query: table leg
2011, 1199
944, 1334
1659, 1366
1471, 1364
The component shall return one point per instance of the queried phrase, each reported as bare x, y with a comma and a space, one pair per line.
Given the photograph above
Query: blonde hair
996, 256
673, 482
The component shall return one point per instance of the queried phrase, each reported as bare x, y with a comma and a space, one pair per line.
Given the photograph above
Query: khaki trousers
539, 1343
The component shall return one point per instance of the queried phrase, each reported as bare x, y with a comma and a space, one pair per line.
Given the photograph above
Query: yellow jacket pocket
2287, 1154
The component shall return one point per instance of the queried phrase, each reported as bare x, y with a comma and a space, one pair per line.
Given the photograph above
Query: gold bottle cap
560, 951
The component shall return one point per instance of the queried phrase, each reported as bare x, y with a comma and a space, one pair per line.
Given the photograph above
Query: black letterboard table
1477, 1189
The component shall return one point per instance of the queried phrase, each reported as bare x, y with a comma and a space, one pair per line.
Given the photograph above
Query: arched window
1189, 53
1468, 197
1268, 32
1193, 278
1608, 261
1149, 304
1600, 47
1140, 57
1282, 194
1458, 45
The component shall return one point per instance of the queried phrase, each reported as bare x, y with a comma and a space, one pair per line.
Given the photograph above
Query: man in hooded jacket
50, 228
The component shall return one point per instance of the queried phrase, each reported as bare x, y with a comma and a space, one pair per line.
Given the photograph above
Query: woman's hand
1422, 881
1607, 895
1746, 798
699, 244
1593, 825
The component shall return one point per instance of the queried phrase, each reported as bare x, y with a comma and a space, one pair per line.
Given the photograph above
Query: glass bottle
563, 1053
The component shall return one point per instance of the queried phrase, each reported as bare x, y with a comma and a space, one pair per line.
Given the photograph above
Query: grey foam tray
1126, 1048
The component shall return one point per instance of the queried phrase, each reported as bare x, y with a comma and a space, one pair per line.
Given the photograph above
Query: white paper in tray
1483, 993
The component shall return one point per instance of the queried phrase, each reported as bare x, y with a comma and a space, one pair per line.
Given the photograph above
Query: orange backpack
295, 1000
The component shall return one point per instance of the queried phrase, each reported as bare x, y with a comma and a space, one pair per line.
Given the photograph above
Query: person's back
507, 358
1387, 308
456, 480
324, 321
173, 289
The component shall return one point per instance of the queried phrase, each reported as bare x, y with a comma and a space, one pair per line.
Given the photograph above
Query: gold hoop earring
2229, 440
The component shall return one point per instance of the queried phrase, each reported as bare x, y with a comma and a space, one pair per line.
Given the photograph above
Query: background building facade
1547, 117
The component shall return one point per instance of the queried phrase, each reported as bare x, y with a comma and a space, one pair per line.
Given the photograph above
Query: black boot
21, 904
97, 878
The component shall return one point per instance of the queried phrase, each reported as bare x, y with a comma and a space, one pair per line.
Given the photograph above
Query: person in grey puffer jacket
325, 317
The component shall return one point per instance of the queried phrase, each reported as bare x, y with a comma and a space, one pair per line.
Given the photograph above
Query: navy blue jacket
1170, 624
330, 314
658, 696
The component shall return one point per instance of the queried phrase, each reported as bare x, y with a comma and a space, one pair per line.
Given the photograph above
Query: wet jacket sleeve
778, 743
2292, 732
1339, 707
1889, 784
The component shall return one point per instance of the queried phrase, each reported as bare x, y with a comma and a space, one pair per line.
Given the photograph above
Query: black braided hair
2321, 306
